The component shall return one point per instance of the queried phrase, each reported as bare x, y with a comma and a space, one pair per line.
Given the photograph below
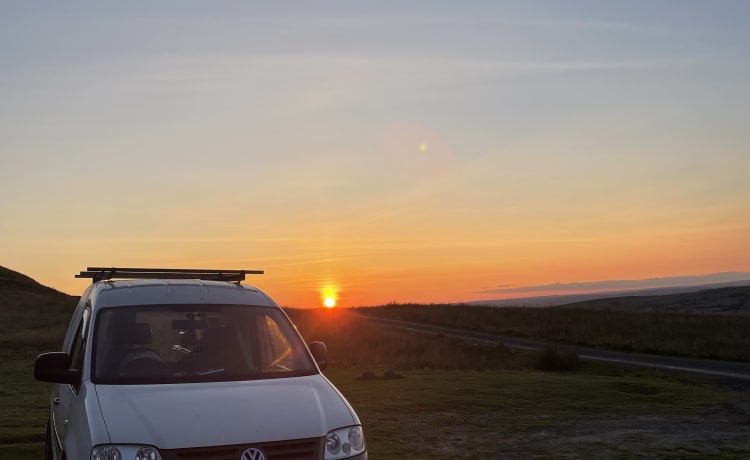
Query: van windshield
192, 343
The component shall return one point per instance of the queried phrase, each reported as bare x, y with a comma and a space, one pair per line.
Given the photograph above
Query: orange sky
381, 270
413, 152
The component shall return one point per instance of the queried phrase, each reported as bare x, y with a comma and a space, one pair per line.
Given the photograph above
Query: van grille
298, 449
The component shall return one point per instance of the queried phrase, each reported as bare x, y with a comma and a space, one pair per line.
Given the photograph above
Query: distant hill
725, 300
566, 299
720, 300
13, 281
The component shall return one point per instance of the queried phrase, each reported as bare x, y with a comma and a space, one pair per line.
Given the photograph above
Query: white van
190, 364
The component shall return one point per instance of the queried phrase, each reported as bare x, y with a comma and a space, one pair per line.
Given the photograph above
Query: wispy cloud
624, 284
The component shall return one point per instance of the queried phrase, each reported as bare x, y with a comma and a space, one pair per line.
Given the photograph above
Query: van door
65, 395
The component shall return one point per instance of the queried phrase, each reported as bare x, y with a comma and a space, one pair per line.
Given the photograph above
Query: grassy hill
33, 317
554, 300
13, 281
722, 300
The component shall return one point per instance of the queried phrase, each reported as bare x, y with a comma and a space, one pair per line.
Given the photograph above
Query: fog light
147, 453
105, 453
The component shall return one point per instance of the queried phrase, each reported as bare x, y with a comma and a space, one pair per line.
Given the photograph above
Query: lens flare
417, 151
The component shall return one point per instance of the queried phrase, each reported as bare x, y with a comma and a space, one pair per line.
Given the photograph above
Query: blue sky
411, 151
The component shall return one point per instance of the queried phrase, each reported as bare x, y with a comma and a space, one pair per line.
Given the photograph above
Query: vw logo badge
253, 454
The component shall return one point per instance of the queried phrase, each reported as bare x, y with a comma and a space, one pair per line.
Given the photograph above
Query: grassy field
356, 341
596, 412
681, 333
25, 404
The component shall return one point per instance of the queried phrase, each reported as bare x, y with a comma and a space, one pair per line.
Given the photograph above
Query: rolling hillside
565, 299
721, 300
13, 283
32, 316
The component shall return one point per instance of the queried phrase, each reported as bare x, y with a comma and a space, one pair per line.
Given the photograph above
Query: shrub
555, 359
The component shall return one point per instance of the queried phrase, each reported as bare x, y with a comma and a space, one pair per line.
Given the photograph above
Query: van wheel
48, 443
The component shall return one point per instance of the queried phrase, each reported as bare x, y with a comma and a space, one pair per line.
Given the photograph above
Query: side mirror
320, 353
54, 367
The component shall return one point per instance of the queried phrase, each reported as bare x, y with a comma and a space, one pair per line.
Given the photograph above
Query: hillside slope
33, 317
564, 299
723, 300
12, 281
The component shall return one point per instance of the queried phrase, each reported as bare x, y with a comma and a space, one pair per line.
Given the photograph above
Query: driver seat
136, 358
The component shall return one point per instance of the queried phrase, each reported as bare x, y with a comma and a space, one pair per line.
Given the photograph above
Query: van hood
222, 413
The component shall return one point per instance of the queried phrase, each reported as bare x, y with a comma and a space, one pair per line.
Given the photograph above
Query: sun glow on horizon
329, 296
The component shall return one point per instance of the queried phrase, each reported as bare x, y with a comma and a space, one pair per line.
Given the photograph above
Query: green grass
357, 341
25, 405
711, 336
442, 414
31, 321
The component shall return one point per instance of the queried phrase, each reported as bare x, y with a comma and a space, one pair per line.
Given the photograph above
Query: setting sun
329, 294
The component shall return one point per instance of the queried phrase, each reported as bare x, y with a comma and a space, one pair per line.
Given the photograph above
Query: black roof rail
108, 273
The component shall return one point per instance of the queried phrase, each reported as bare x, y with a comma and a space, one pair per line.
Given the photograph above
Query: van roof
170, 286
107, 273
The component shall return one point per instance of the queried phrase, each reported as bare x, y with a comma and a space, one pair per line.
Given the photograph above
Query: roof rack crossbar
107, 273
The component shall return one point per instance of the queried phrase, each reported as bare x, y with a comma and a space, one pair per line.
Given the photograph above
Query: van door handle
56, 401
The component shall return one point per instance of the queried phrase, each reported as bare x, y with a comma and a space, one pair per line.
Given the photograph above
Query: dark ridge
722, 300
13, 281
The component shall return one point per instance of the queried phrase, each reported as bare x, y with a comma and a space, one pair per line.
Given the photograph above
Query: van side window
78, 350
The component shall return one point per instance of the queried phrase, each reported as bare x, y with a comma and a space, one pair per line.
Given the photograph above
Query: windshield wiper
210, 371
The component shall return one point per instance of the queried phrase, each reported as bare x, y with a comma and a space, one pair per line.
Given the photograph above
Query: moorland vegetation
710, 324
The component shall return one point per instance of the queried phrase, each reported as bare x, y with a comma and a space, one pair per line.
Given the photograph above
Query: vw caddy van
162, 364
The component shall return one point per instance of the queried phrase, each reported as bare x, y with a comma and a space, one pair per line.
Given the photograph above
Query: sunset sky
402, 151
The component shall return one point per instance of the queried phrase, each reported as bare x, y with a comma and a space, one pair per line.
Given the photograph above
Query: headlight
344, 442
124, 452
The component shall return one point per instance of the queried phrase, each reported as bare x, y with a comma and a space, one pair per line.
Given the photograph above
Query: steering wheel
143, 362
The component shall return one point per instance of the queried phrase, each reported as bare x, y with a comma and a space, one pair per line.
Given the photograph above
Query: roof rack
108, 273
